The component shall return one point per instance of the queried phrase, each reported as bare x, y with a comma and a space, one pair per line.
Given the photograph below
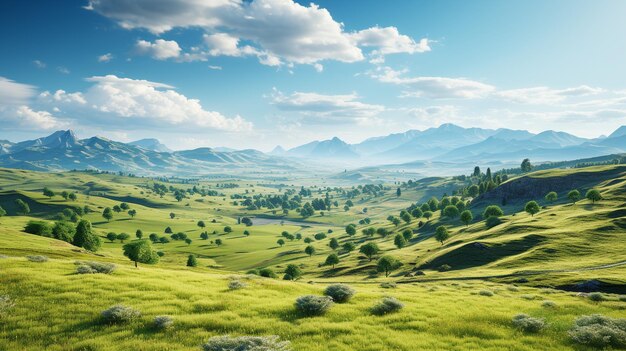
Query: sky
261, 73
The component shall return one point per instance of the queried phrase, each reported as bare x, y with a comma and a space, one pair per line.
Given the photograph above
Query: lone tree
188, 241
132, 213
122, 237
526, 166
492, 211
47, 192
332, 260
280, 242
350, 229
218, 242
228, 229
551, 196
398, 192
292, 272
201, 224
399, 241
107, 214
441, 234
387, 264
466, 217
191, 261
172, 215
84, 237
593, 195
369, 250
532, 207
309, 250
72, 196
334, 244
204, 236
139, 234
22, 207
140, 251
573, 195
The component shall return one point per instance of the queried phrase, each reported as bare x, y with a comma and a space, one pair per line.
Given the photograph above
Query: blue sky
266, 72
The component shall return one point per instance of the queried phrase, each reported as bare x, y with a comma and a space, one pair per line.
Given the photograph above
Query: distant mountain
559, 138
381, 144
621, 131
151, 144
334, 148
278, 151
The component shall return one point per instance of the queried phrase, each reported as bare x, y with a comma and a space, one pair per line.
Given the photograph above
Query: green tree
117, 209
334, 244
292, 272
348, 247
574, 195
466, 217
172, 215
280, 242
387, 264
369, 250
47, 192
192, 261
398, 192
84, 237
122, 237
228, 229
407, 234
441, 234
399, 241
532, 207
139, 234
107, 214
427, 215
64, 231
593, 195
201, 224
22, 207
132, 213
112, 236
188, 241
350, 229
492, 211
124, 206
332, 260
417, 213
405, 217
218, 242
451, 211
204, 236
473, 190
140, 251
551, 196
72, 197
65, 195
526, 166
309, 250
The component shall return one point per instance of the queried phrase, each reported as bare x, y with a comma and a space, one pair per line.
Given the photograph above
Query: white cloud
39, 64
279, 31
112, 99
160, 49
22, 117
105, 58
545, 95
433, 87
13, 93
63, 70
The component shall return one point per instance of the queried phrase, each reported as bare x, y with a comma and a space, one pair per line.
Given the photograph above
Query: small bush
599, 331
236, 285
91, 267
84, 269
119, 314
340, 293
528, 297
528, 324
38, 228
37, 258
492, 222
387, 305
597, 297
444, 268
311, 305
5, 304
513, 288
163, 322
388, 285
485, 293
246, 343
548, 304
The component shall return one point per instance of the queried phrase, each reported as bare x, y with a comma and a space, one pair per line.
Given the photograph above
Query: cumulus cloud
160, 49
105, 58
140, 102
39, 64
281, 31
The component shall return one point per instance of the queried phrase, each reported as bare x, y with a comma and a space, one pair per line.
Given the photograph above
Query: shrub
163, 322
246, 343
236, 285
37, 258
311, 305
38, 228
340, 293
444, 268
493, 221
5, 304
388, 285
599, 331
267, 273
83, 269
485, 293
528, 324
513, 288
88, 267
528, 297
597, 297
548, 304
119, 314
387, 305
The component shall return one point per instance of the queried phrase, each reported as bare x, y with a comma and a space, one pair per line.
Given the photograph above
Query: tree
117, 209
112, 236
201, 224
309, 250
348, 247
334, 244
427, 215
164, 240
168, 230
84, 237
350, 229
107, 214
332, 260
406, 217
204, 236
532, 207
466, 217
407, 234
476, 172
218, 242
280, 242
188, 241
398, 192
441, 234
124, 206
191, 261
387, 264
65, 195
139, 234
551, 196
399, 241
292, 272
247, 233
574, 195
473, 190
47, 192
228, 229
72, 196
417, 213
132, 213
122, 237
369, 250
492, 211
526, 166
153, 237
593, 195
140, 251
22, 207
64, 231
451, 211
172, 215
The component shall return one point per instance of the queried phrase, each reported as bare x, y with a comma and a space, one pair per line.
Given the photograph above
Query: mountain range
446, 146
